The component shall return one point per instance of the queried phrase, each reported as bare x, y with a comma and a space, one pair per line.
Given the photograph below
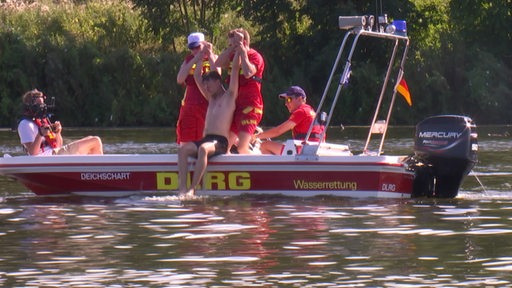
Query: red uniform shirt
192, 93
303, 117
249, 91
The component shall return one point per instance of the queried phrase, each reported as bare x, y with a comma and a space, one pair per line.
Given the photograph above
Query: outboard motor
445, 151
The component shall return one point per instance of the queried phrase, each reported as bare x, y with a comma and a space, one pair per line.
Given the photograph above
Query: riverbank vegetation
114, 63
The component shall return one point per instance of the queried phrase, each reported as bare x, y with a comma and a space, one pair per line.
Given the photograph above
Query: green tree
173, 19
115, 63
482, 46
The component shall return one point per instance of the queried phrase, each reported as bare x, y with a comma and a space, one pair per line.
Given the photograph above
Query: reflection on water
247, 242
260, 241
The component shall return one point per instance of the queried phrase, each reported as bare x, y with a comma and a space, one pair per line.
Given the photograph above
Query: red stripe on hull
237, 182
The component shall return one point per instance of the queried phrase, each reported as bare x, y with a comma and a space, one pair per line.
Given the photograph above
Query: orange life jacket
50, 138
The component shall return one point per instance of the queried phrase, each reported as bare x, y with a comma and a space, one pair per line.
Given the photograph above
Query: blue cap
293, 91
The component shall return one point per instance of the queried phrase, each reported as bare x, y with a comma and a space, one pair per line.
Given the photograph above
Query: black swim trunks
221, 143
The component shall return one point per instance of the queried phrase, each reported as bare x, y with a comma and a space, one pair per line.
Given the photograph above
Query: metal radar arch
365, 26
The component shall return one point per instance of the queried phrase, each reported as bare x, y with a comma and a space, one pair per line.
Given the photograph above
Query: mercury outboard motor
445, 151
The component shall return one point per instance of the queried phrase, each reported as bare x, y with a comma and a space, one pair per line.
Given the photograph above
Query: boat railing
362, 26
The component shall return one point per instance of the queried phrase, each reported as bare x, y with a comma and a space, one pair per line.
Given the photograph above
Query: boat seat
293, 147
334, 149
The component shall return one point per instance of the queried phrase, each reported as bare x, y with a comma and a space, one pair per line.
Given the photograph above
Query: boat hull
227, 175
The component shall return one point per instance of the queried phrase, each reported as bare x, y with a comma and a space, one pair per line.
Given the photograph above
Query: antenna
51, 105
382, 19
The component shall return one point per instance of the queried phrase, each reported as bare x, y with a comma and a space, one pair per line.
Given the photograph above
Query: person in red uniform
249, 104
192, 115
302, 115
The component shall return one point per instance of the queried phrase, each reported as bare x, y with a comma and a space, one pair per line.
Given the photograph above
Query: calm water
161, 241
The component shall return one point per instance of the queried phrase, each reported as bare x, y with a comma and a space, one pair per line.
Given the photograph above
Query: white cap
195, 39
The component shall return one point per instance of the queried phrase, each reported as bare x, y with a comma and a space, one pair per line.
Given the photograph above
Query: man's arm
57, 129
248, 69
33, 148
29, 138
277, 131
184, 70
223, 60
234, 78
213, 67
198, 76
212, 57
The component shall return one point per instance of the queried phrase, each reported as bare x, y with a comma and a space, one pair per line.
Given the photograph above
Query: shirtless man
219, 116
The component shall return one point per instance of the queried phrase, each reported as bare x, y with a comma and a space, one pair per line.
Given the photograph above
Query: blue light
401, 27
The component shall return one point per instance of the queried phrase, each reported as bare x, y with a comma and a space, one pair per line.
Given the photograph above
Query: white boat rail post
312, 149
355, 24
379, 103
398, 78
397, 38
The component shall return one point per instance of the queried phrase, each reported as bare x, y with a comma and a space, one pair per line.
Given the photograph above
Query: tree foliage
115, 63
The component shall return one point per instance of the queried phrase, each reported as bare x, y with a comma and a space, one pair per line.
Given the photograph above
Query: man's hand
207, 49
44, 130
57, 127
200, 54
238, 38
256, 135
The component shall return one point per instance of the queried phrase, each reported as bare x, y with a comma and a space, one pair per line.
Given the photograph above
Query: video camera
42, 110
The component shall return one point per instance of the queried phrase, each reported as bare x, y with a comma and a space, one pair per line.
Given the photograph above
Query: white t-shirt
28, 130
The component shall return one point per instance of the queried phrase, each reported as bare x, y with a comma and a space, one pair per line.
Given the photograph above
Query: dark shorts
221, 143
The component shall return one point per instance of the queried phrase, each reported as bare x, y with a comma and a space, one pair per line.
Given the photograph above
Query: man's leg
184, 152
203, 152
233, 140
244, 139
86, 145
246, 125
94, 145
271, 147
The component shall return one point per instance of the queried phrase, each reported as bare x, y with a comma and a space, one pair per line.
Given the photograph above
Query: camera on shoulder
38, 110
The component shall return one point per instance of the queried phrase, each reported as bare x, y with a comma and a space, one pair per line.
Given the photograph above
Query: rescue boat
445, 150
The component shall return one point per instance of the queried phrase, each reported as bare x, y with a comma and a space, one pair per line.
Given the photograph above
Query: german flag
403, 89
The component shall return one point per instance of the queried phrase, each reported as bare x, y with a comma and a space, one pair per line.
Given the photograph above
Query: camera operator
40, 137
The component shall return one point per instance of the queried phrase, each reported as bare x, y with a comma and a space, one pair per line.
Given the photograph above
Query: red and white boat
444, 153
121, 175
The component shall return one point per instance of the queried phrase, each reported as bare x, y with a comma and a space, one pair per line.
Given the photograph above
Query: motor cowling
445, 149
